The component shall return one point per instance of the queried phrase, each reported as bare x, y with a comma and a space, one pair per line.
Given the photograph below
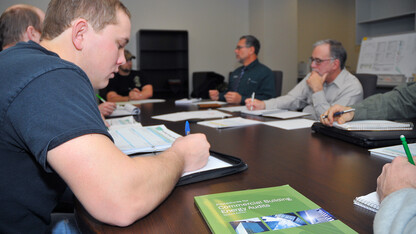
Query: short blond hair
61, 13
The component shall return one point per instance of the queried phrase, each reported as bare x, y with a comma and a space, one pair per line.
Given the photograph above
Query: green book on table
277, 209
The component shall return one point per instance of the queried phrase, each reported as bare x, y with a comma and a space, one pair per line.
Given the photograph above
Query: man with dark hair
252, 77
20, 23
329, 83
127, 84
58, 138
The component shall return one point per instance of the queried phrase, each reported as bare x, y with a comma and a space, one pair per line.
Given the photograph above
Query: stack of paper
144, 101
229, 122
276, 113
187, 101
291, 124
391, 152
203, 114
233, 108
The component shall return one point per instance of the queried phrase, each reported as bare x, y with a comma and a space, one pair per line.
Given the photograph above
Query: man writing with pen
328, 83
396, 184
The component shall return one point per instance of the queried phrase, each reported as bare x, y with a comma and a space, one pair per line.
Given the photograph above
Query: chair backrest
369, 83
202, 82
278, 75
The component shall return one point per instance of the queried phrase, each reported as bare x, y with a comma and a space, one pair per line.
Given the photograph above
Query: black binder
237, 166
367, 139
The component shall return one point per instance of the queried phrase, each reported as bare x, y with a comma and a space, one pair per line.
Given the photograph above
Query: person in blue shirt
59, 139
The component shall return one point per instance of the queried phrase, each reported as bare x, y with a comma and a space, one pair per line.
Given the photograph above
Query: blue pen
339, 113
187, 128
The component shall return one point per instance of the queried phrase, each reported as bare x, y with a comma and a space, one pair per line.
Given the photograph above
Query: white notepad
374, 125
370, 201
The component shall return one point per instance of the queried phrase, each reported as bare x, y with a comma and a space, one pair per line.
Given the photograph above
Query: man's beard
125, 70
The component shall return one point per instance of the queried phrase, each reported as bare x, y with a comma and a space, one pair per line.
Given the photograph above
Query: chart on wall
393, 55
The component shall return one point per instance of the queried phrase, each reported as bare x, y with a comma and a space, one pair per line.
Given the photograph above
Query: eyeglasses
318, 61
240, 47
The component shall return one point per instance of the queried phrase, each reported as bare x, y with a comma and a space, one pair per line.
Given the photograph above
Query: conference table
327, 171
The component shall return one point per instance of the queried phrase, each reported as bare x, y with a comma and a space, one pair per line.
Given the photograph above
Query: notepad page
373, 125
370, 201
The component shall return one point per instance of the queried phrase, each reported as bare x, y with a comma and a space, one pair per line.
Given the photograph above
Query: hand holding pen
343, 113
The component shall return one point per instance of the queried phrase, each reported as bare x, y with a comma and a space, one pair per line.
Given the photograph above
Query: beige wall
323, 19
275, 25
286, 29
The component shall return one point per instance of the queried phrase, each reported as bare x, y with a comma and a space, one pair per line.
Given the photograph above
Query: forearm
147, 91
397, 213
113, 187
115, 97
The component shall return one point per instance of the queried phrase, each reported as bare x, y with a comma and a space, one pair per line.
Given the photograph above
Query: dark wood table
328, 171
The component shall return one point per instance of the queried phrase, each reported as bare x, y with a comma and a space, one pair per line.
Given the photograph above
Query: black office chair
202, 82
278, 75
369, 83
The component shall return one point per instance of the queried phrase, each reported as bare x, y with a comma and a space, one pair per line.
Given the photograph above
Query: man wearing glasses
327, 84
252, 77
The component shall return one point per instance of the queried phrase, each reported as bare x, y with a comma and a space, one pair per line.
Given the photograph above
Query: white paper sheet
291, 123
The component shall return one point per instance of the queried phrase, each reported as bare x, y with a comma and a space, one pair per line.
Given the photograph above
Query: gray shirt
397, 213
345, 90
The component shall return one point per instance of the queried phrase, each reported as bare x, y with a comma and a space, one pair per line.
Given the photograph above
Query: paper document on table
202, 114
262, 112
122, 122
229, 122
187, 101
286, 114
233, 108
136, 139
125, 109
391, 152
291, 124
213, 163
144, 101
209, 103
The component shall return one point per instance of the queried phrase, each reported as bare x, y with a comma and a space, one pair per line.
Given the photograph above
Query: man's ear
30, 33
337, 64
79, 28
251, 49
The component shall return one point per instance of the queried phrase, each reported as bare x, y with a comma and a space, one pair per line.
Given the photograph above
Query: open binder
236, 165
367, 139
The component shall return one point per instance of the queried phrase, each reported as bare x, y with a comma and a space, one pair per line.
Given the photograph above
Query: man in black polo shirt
127, 84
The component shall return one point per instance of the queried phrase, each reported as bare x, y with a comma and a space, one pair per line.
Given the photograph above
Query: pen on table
406, 149
252, 101
187, 128
339, 113
99, 97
